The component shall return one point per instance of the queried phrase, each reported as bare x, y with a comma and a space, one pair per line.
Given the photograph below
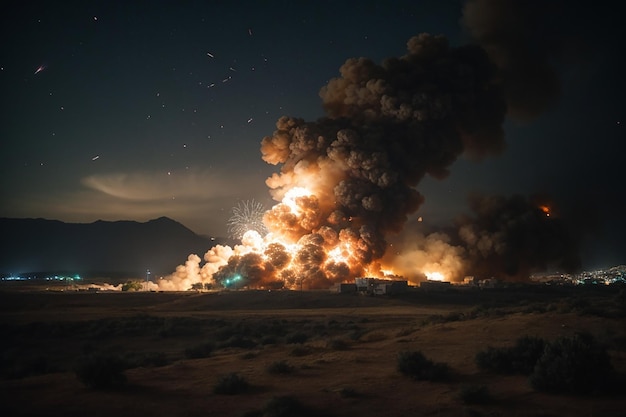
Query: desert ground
309, 353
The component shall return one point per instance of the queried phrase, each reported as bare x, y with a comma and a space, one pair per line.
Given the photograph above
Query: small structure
431, 285
470, 280
343, 288
378, 286
488, 283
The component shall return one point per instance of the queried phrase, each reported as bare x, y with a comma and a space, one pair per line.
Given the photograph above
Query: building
343, 288
380, 286
430, 285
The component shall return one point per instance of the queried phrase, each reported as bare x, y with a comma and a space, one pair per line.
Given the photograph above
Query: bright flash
290, 198
546, 210
434, 276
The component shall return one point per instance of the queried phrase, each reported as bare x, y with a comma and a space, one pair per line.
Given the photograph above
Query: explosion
347, 182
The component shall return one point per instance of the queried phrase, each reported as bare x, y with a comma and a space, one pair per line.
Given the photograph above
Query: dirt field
335, 354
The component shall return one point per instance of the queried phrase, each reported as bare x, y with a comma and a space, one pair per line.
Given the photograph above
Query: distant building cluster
372, 286
12, 277
614, 275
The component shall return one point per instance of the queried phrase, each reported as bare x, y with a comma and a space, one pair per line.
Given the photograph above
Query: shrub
349, 392
375, 336
101, 372
280, 367
231, 384
249, 355
202, 350
417, 366
300, 351
146, 359
297, 337
239, 341
475, 394
268, 340
572, 365
21, 367
283, 406
337, 344
518, 359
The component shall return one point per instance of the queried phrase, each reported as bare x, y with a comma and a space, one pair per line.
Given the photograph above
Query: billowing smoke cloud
349, 180
511, 237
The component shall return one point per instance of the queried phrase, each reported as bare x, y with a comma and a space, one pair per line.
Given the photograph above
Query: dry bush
280, 367
415, 365
231, 384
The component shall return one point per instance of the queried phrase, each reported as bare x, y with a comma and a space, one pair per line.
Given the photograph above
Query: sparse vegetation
20, 366
231, 384
297, 337
282, 406
300, 351
146, 359
43, 333
518, 359
280, 367
415, 365
101, 372
475, 394
338, 344
375, 336
238, 341
572, 365
349, 392
201, 350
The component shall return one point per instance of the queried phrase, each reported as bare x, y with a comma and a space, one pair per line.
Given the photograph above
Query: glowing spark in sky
247, 215
545, 210
39, 69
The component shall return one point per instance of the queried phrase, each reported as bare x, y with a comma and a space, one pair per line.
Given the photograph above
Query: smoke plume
511, 237
348, 181
519, 38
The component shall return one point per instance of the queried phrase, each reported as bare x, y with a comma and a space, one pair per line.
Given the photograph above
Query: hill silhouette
115, 248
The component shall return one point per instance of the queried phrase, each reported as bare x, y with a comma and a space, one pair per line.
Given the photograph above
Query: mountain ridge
120, 247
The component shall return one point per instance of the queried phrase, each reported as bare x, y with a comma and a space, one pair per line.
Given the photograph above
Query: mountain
121, 248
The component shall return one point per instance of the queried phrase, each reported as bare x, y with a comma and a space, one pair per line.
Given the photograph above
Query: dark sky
139, 109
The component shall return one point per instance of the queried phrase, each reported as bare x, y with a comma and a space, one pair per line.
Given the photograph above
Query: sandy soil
355, 377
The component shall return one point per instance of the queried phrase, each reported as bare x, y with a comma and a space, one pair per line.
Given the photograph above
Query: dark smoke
519, 37
512, 237
388, 126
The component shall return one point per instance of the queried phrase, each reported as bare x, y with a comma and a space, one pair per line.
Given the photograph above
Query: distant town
609, 276
613, 275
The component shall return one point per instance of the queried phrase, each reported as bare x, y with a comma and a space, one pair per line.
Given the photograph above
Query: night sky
133, 110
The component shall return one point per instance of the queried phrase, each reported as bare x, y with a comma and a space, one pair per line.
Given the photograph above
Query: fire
435, 276
348, 181
290, 199
546, 210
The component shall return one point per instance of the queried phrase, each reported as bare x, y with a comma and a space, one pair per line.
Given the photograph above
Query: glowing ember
546, 210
